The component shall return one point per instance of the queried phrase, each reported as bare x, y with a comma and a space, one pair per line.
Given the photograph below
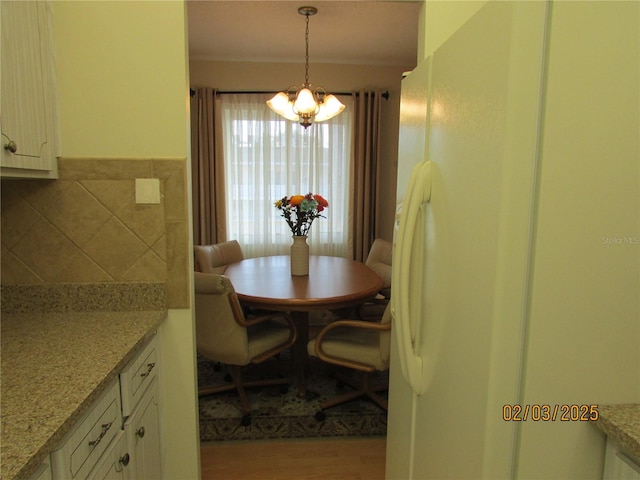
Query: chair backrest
219, 336
385, 337
379, 260
215, 258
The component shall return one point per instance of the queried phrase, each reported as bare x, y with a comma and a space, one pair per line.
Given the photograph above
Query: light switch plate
147, 190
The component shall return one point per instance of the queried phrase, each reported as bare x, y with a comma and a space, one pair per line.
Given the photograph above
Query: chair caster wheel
320, 416
245, 421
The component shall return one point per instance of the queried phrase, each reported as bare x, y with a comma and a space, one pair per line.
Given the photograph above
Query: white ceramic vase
299, 256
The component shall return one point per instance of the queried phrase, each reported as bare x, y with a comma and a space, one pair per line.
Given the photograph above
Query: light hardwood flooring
304, 459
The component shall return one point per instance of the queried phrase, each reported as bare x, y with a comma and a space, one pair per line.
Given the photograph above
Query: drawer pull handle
105, 429
149, 368
140, 432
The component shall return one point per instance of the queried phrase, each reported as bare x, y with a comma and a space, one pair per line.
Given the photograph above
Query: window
266, 158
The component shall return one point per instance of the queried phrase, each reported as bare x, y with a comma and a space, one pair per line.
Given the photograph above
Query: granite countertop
56, 362
622, 424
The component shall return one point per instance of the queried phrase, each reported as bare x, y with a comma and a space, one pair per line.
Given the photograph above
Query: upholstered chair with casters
359, 345
378, 260
215, 258
225, 335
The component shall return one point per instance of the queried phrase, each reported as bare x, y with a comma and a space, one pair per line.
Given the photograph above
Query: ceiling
356, 32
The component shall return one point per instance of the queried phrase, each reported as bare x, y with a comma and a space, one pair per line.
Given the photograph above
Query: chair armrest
254, 320
381, 327
248, 322
211, 283
293, 332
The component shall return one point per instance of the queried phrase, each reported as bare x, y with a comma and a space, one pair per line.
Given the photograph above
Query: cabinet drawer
137, 376
89, 439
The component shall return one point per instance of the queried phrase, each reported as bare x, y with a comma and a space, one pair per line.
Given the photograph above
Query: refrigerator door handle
418, 193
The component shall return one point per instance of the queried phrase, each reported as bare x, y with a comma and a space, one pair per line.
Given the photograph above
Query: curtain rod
384, 94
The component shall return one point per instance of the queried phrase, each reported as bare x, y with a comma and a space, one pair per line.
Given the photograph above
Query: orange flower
296, 200
321, 201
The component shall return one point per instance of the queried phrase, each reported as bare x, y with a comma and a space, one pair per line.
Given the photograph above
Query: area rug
278, 415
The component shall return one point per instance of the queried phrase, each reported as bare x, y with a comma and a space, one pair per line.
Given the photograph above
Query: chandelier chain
306, 54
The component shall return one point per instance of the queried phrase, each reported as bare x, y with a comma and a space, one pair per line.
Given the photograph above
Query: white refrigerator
516, 285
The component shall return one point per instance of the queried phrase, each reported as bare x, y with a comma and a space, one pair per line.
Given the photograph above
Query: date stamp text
550, 413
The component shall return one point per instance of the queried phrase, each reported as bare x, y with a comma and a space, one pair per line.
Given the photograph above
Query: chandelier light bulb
329, 108
305, 102
283, 106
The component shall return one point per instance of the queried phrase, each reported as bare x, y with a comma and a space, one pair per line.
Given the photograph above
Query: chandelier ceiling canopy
305, 104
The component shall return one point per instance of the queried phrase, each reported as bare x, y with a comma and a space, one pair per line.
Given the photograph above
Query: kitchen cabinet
140, 402
85, 352
28, 94
119, 437
142, 430
618, 465
83, 447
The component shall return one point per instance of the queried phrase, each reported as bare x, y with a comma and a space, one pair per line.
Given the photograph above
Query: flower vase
299, 256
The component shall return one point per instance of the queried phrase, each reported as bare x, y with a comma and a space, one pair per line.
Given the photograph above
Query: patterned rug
278, 415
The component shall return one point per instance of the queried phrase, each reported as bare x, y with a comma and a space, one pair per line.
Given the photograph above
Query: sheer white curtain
266, 158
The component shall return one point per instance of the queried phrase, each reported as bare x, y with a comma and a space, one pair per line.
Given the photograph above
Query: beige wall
123, 92
439, 19
335, 78
120, 78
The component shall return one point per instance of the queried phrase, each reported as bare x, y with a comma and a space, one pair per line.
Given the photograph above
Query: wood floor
314, 459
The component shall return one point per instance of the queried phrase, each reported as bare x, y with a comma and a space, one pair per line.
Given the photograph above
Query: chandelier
302, 104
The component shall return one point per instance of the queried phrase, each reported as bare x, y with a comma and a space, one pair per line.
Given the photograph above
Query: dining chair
224, 334
215, 258
358, 345
378, 260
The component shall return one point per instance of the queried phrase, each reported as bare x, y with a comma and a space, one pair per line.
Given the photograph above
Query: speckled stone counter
56, 363
622, 424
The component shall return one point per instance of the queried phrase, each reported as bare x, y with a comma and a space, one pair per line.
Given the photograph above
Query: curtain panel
207, 167
365, 172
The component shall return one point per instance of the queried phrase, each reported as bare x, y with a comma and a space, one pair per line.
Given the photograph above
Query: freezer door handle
418, 193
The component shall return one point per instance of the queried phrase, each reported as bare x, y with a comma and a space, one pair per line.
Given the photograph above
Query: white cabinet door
28, 106
142, 430
114, 463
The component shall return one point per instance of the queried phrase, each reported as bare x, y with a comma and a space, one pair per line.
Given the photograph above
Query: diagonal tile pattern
87, 228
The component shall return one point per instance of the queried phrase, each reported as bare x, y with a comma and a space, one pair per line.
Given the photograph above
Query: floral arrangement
301, 210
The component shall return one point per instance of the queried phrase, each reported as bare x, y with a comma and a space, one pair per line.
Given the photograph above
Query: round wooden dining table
333, 283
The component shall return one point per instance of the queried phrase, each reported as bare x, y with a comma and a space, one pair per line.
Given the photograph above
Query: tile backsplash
86, 227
